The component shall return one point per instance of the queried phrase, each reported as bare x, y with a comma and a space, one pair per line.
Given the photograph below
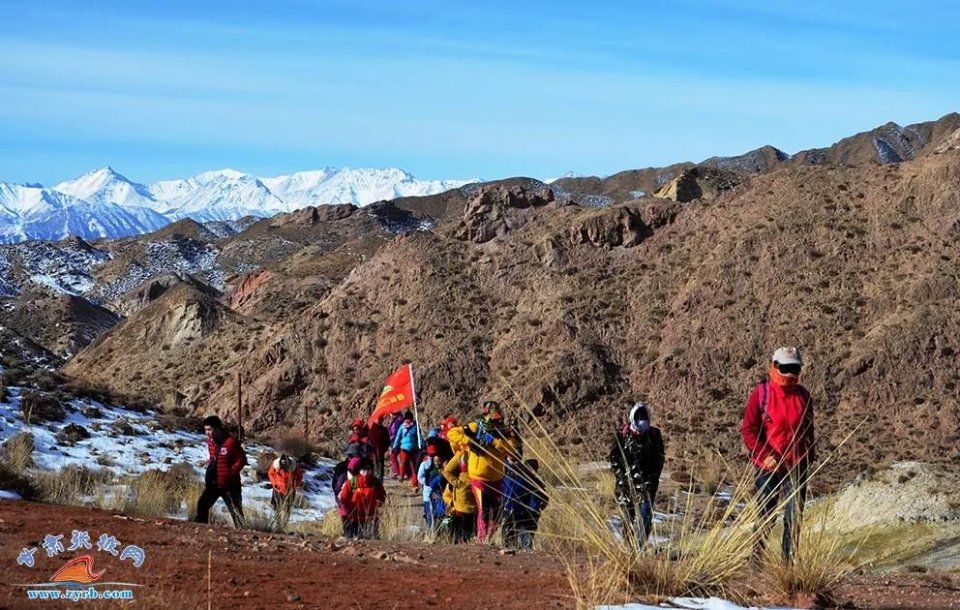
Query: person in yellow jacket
487, 443
458, 497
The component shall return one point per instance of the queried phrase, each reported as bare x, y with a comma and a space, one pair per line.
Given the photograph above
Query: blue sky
454, 90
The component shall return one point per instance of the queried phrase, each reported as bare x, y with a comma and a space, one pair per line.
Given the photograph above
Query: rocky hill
574, 299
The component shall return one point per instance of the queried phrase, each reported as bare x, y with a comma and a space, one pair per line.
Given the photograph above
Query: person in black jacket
636, 458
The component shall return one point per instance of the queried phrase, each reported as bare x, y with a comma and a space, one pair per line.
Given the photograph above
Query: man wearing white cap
778, 431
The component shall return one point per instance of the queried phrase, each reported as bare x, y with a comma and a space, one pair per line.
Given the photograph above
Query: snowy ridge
104, 203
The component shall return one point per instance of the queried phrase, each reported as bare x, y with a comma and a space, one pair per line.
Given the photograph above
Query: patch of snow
691, 603
9, 495
150, 447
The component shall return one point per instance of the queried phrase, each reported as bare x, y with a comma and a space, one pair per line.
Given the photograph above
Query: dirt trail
257, 570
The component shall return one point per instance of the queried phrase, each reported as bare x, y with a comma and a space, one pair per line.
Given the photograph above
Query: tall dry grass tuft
18, 452
73, 485
704, 550
261, 520
821, 562
401, 520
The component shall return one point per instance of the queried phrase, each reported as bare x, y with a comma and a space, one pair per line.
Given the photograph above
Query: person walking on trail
286, 479
461, 519
222, 479
431, 485
441, 446
449, 421
407, 445
524, 500
358, 443
346, 470
379, 437
637, 458
487, 445
395, 422
360, 499
778, 431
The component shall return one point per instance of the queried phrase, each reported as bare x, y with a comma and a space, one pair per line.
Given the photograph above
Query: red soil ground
257, 570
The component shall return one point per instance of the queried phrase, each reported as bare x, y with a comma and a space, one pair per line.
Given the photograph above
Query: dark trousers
353, 528
232, 497
463, 526
774, 489
637, 515
519, 526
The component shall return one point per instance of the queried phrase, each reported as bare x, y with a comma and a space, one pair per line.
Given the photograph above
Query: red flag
397, 393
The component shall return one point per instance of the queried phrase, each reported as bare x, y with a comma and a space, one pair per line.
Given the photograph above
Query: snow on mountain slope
28, 212
225, 196
20, 201
356, 186
104, 203
107, 186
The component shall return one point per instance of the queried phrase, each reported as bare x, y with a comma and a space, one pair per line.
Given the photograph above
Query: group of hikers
472, 477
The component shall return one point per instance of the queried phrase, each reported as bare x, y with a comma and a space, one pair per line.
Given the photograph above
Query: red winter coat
360, 497
783, 429
228, 459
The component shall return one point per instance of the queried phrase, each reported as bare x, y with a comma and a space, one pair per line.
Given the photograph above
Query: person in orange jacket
286, 478
488, 443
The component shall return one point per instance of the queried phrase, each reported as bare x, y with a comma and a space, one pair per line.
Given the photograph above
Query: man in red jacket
778, 431
222, 479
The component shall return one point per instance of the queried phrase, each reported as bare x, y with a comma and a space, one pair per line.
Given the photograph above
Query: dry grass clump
155, 493
821, 563
258, 519
18, 452
401, 520
329, 525
36, 407
73, 485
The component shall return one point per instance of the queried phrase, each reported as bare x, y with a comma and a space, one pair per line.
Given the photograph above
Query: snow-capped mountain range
104, 203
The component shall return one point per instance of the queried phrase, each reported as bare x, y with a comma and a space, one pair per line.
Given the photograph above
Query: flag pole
416, 415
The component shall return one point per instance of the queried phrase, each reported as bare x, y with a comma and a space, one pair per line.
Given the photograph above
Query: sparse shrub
36, 407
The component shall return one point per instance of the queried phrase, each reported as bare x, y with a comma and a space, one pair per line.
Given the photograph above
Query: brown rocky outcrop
610, 227
495, 211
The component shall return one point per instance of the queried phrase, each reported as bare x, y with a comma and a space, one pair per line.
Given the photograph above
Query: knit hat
408, 415
353, 465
